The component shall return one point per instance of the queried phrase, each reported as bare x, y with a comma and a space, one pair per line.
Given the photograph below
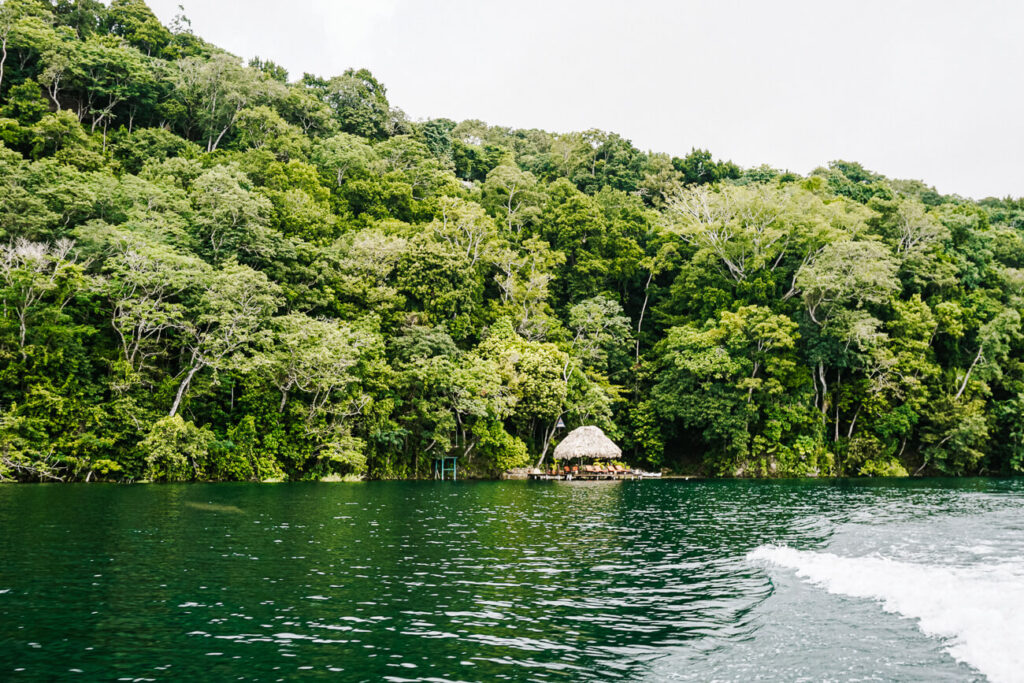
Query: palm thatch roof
587, 442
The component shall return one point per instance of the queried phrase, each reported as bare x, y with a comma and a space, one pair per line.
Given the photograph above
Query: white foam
978, 610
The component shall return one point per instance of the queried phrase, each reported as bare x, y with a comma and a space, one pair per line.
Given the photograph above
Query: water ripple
420, 581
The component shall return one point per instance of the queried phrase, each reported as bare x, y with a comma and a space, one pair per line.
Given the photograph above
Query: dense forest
210, 270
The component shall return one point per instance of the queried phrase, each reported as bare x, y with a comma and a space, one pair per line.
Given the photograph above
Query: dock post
445, 464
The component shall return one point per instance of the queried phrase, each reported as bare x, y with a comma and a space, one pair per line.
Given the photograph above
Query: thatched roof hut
587, 442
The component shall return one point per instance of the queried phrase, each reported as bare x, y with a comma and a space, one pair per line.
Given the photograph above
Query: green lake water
483, 581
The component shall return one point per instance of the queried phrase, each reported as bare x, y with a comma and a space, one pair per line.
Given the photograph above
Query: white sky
927, 89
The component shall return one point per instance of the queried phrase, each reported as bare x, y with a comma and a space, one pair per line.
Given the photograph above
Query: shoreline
666, 477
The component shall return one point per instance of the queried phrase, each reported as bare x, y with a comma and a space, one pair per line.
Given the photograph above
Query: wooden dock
591, 476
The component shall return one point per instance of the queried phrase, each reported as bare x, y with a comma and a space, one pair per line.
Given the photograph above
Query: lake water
547, 581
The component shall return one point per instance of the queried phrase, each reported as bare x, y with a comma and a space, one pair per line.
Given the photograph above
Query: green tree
229, 326
136, 23
360, 104
176, 450
210, 94
730, 380
230, 218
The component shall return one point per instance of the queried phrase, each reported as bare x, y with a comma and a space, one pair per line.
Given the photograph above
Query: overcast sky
927, 89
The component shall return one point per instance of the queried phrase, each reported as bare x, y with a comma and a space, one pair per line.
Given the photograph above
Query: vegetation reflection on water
413, 580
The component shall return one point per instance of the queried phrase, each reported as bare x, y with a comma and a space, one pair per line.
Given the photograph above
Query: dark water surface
546, 581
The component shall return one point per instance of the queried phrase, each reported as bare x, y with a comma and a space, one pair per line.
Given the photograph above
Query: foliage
176, 450
208, 272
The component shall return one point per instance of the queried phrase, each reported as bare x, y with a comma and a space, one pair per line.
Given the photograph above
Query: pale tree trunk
212, 146
753, 376
548, 435
183, 388
824, 388
511, 212
849, 432
967, 377
3, 59
22, 331
839, 381
643, 309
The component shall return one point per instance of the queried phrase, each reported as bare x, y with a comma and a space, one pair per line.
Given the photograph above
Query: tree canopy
213, 270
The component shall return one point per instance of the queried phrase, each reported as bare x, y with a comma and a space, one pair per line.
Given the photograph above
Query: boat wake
978, 610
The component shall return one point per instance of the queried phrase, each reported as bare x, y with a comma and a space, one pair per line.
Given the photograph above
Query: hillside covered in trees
214, 270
